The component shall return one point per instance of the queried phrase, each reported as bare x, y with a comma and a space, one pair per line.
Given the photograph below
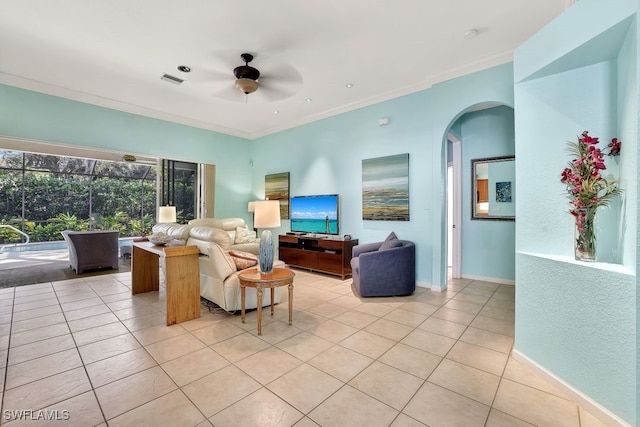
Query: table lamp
266, 215
251, 207
166, 214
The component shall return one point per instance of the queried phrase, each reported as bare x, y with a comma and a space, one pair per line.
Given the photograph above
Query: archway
481, 250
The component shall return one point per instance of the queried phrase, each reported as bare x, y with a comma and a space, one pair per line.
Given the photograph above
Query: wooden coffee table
255, 279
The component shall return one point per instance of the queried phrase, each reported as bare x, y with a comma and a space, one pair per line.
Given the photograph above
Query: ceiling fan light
247, 85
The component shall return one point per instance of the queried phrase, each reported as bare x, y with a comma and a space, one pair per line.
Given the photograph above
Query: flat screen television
314, 214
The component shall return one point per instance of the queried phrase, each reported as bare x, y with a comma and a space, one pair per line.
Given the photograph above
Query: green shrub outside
57, 202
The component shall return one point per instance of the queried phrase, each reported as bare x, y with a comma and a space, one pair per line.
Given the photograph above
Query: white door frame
457, 206
206, 189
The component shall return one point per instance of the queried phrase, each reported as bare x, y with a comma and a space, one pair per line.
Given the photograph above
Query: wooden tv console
327, 255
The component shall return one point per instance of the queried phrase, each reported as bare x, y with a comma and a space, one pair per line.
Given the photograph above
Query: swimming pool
50, 246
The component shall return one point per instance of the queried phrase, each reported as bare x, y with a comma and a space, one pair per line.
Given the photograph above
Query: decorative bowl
160, 239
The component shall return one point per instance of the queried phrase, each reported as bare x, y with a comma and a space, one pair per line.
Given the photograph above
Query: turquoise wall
322, 157
488, 247
35, 116
326, 157
579, 321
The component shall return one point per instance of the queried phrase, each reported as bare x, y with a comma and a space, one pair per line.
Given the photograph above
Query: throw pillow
390, 242
244, 235
243, 259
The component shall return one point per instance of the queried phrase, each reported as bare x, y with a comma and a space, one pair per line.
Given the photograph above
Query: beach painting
276, 187
385, 188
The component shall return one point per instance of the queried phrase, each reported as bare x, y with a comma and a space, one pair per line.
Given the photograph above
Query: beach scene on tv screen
317, 214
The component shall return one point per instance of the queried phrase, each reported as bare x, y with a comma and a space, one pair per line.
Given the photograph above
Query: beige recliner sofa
219, 281
216, 240
240, 237
229, 233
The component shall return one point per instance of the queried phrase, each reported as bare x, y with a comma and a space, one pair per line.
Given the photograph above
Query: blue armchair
384, 272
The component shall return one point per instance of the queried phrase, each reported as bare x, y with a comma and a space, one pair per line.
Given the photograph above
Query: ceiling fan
275, 81
246, 76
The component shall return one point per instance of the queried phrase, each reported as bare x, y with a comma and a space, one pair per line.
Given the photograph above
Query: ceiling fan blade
279, 81
208, 75
230, 93
272, 92
282, 72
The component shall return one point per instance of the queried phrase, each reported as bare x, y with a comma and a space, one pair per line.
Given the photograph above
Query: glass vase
585, 235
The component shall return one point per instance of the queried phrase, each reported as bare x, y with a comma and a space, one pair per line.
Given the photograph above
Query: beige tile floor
88, 353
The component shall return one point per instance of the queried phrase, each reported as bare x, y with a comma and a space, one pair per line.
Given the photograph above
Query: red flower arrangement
587, 188
614, 147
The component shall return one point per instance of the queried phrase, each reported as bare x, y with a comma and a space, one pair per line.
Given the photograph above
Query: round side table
255, 279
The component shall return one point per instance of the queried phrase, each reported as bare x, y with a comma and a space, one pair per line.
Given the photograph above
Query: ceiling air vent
172, 79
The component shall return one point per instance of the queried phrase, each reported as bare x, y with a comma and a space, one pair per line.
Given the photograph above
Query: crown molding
62, 149
66, 93
28, 84
479, 65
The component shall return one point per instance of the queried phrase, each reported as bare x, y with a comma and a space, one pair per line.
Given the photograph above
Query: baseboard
490, 279
581, 399
428, 285
423, 285
438, 288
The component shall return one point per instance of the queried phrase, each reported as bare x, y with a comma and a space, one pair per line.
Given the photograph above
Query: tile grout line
130, 332
467, 327
426, 380
6, 369
159, 365
84, 366
272, 345
400, 411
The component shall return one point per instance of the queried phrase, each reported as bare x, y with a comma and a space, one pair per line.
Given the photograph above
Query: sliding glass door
43, 194
178, 187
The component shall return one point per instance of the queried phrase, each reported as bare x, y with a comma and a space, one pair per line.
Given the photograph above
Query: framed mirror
493, 188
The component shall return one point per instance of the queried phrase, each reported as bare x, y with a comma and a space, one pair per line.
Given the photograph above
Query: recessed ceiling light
349, 85
276, 112
184, 68
308, 99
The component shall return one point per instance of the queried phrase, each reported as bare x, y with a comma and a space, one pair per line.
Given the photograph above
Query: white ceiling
113, 52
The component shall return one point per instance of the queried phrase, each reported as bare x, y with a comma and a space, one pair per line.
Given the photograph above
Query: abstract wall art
385, 188
276, 187
503, 192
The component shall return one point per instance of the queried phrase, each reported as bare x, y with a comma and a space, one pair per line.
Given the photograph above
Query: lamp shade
251, 207
167, 214
267, 214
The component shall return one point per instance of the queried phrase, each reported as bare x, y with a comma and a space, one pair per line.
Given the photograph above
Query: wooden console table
182, 277
254, 279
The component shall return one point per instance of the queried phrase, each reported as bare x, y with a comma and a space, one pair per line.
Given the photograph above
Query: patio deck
31, 267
